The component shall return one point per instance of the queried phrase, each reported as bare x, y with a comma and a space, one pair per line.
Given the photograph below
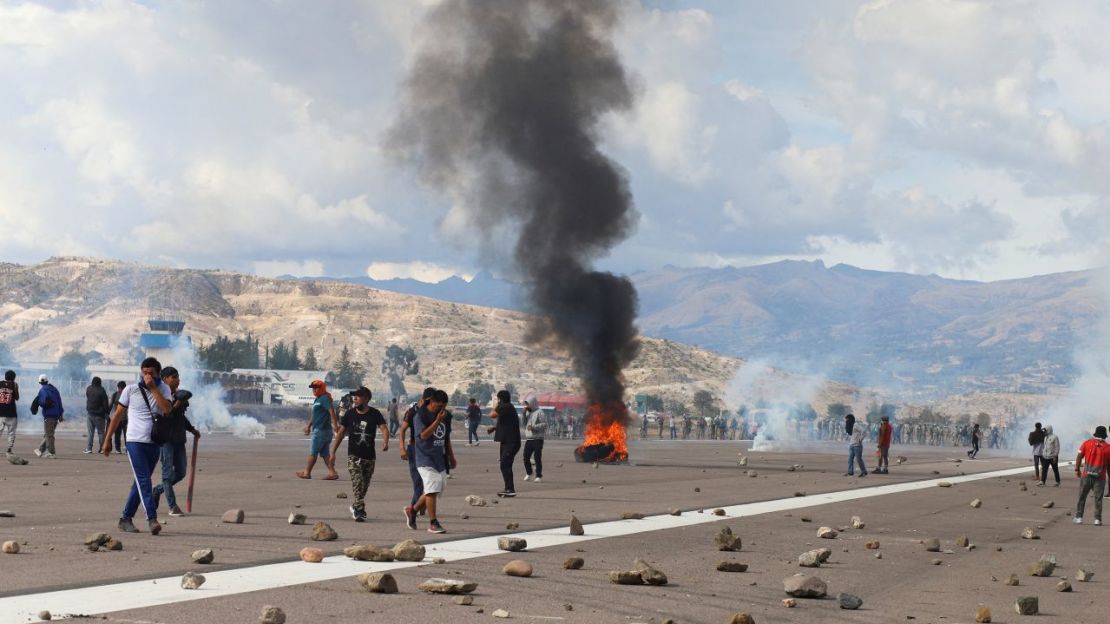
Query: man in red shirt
885, 431
1096, 453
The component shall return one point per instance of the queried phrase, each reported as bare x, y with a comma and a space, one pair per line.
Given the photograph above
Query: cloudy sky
968, 139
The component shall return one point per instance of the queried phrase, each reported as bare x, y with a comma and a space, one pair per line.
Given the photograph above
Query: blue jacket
50, 400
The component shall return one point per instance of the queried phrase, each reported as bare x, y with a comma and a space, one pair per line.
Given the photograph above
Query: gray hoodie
536, 424
1051, 444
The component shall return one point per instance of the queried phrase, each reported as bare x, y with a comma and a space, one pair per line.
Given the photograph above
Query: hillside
102, 305
918, 337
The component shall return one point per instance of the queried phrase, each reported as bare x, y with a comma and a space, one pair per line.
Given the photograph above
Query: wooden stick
192, 476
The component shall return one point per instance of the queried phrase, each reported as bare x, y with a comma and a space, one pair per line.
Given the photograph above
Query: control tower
164, 336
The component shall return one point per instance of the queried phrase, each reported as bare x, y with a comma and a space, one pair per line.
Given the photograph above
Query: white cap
43, 379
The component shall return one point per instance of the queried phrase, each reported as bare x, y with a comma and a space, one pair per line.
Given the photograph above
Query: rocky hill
102, 305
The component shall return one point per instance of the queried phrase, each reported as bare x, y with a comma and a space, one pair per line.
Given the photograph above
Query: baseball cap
43, 379
364, 392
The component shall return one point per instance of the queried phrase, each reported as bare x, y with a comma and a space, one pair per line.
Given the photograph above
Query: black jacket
179, 423
96, 401
508, 424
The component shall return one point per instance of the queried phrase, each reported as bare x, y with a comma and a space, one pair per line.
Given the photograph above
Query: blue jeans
472, 432
856, 453
414, 474
174, 466
320, 443
144, 458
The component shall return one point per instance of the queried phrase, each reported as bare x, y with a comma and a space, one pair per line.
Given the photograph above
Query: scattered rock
936, 562
271, 615
799, 494
743, 461
805, 586
4, 513
447, 586
16, 460
827, 533
1042, 567
439, 561
96, 539
753, 474
849, 601
872, 545
501, 613
1083, 575
675, 512
465, 601
574, 563
932, 545
902, 460
732, 566
233, 516
297, 518
806, 519
741, 618
45, 616
879, 555
648, 573
113, 544
810, 559
517, 567
823, 554
632, 515
625, 578
11, 548
476, 501
1063, 586
512, 544
1022, 487
1027, 605
463, 516
696, 490
944, 484
576, 526
409, 550
512, 526
857, 523
962, 541
1013, 580
378, 582
789, 603
312, 555
366, 552
983, 615
726, 541
977, 503
192, 580
341, 495
718, 512
204, 555
1048, 504
322, 532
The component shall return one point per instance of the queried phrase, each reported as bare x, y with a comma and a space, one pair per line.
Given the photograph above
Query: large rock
872, 545
726, 541
409, 550
16, 460
805, 586
632, 515
574, 563
963, 541
322, 532
823, 554
1042, 567
741, 618
271, 615
512, 544
312, 555
809, 559
366, 552
857, 522
849, 601
977, 503
11, 548
1027, 605
113, 544
732, 566
378, 582
476, 501
983, 615
4, 513
233, 516
622, 577
1083, 575
827, 533
648, 573
204, 555
192, 580
1063, 586
447, 586
297, 518
576, 526
932, 545
517, 567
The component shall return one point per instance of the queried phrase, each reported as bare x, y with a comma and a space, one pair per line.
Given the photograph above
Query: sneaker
1057, 484
155, 528
119, 452
527, 477
87, 451
863, 474
175, 511
435, 527
477, 443
1077, 520
1098, 522
38, 452
849, 474
48, 456
410, 517
507, 494
360, 516
127, 526
450, 476
537, 479
354, 514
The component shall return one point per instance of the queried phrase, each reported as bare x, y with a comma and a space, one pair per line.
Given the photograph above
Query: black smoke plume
501, 111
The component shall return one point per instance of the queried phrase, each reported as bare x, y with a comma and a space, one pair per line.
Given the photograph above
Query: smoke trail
501, 111
207, 409
1075, 415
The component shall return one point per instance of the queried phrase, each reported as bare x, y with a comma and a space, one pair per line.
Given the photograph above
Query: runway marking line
101, 599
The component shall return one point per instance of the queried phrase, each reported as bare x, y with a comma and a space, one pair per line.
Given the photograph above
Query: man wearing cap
322, 423
1095, 453
361, 422
50, 401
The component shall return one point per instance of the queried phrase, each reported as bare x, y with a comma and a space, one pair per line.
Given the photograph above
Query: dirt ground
56, 502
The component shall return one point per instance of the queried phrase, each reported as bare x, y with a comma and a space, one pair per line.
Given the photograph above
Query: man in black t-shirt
360, 424
506, 430
9, 394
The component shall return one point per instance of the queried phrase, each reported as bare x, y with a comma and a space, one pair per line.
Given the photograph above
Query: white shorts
434, 480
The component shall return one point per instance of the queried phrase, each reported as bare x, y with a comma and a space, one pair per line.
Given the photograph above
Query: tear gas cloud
207, 409
757, 383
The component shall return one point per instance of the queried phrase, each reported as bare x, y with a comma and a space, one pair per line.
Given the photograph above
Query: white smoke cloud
207, 409
756, 383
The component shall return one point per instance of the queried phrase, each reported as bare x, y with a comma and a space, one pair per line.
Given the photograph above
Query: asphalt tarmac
57, 502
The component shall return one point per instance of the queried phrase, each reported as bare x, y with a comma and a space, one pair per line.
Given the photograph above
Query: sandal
302, 475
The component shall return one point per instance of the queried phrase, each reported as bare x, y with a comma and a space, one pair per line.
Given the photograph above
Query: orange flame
606, 425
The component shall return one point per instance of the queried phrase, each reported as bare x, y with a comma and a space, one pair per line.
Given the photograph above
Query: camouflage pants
362, 470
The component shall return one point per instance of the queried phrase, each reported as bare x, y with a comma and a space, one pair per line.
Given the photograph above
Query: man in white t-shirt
141, 402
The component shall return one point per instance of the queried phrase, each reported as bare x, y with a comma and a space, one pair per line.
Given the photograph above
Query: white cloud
422, 271
276, 268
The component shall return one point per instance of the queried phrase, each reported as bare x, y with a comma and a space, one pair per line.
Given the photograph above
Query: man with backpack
9, 394
1094, 453
50, 401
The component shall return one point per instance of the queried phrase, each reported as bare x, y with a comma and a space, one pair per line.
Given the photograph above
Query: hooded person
49, 400
535, 424
9, 394
506, 430
321, 428
1090, 468
855, 446
96, 410
1050, 457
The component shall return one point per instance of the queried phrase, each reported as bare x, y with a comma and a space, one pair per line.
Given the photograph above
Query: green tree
225, 354
704, 402
7, 358
348, 373
837, 410
983, 419
510, 387
284, 357
72, 365
398, 363
678, 408
481, 391
310, 362
653, 403
458, 398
